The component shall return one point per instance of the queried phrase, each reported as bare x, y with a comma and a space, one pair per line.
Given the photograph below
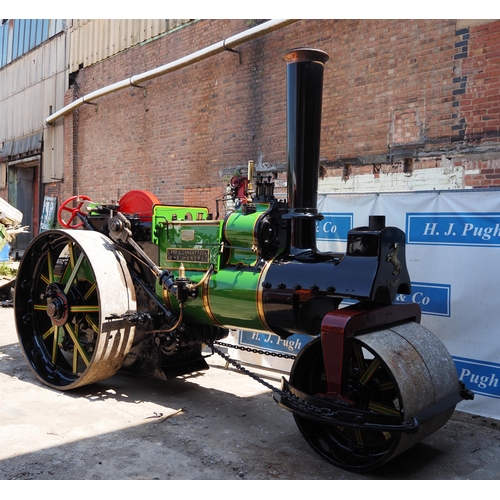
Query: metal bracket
335, 412
144, 90
340, 326
232, 50
91, 104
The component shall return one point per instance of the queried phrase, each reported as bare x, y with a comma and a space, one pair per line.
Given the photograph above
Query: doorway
23, 196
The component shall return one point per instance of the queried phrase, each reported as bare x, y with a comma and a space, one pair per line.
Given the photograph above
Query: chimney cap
304, 54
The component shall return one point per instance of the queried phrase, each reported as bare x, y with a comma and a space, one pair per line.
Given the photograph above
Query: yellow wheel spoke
386, 386
384, 409
358, 354
359, 436
69, 279
77, 345
67, 270
49, 332
58, 335
71, 263
90, 291
54, 349
91, 323
71, 250
372, 368
50, 268
85, 308
75, 353
74, 272
75, 361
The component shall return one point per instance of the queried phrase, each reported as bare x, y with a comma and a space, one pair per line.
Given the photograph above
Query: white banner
453, 256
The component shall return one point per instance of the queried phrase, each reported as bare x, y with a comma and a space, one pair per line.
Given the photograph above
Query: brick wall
479, 104
395, 90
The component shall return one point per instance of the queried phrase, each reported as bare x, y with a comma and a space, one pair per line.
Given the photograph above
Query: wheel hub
57, 305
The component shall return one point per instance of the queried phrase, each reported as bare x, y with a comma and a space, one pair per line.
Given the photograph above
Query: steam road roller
143, 286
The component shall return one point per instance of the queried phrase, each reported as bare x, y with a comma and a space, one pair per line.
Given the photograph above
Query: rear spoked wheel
69, 284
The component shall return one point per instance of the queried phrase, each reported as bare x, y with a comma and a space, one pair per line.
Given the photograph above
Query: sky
256, 9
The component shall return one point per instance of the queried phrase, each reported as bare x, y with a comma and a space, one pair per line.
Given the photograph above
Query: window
19, 36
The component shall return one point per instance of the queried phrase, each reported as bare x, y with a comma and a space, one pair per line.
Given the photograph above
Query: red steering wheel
74, 211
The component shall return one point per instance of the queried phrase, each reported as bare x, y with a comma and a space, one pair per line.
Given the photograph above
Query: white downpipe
199, 55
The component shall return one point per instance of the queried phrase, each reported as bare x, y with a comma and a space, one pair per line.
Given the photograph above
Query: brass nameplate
187, 235
188, 255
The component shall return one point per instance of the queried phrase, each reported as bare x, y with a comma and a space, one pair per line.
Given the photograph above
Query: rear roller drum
68, 283
398, 372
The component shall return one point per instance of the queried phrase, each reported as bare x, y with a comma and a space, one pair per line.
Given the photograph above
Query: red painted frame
339, 327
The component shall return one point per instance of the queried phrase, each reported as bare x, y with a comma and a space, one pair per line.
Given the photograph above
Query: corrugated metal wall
93, 40
33, 86
29, 86
19, 36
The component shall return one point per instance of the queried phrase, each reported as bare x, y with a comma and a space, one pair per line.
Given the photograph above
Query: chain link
241, 368
340, 416
284, 394
257, 351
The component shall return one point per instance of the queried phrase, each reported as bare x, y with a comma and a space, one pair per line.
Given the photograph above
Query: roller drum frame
400, 374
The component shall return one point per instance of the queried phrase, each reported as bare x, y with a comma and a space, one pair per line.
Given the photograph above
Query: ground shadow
198, 432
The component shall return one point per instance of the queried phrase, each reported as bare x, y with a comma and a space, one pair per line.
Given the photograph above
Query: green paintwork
168, 213
184, 235
240, 235
232, 298
230, 246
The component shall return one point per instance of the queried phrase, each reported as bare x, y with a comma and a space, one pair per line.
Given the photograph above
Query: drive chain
284, 394
257, 351
340, 416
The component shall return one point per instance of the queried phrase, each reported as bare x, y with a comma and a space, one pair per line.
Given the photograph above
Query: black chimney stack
305, 67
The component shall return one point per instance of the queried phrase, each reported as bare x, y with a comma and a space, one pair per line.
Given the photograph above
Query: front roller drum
402, 371
69, 284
